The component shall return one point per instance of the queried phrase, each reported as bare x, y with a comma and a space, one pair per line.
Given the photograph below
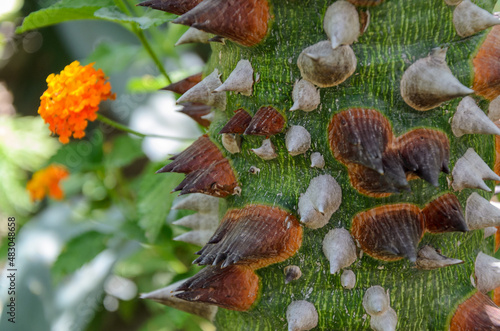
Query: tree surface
399, 33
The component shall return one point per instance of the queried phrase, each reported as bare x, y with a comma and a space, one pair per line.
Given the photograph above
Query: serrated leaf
150, 17
77, 252
113, 57
124, 151
65, 10
155, 200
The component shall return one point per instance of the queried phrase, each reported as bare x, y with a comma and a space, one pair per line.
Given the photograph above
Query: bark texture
400, 32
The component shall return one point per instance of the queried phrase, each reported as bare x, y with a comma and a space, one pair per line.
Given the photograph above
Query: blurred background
82, 262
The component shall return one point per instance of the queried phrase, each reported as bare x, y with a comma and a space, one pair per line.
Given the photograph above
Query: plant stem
122, 127
144, 41
151, 53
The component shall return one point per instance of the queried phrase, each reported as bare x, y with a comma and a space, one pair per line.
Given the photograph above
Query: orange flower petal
46, 182
72, 99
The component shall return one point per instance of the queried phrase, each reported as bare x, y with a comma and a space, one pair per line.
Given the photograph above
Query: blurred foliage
65, 10
146, 83
24, 146
113, 57
152, 206
115, 204
148, 19
78, 251
68, 10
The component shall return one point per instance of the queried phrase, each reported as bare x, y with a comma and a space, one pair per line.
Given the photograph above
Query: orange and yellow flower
46, 182
72, 98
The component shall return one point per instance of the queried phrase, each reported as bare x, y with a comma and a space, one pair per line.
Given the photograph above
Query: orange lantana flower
72, 98
46, 182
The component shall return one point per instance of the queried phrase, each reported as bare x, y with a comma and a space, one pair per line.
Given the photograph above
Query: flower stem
122, 127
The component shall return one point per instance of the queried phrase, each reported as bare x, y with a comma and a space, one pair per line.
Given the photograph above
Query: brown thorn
185, 84
267, 121
177, 7
243, 21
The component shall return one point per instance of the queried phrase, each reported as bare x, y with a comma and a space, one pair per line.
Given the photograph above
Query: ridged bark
400, 32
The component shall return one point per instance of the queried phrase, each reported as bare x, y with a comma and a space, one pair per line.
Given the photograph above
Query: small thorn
341, 23
301, 315
292, 272
470, 171
487, 272
480, 213
231, 142
340, 249
201, 92
305, 96
470, 119
429, 258
429, 82
375, 300
326, 67
322, 191
240, 80
317, 160
297, 140
348, 279
470, 19
267, 151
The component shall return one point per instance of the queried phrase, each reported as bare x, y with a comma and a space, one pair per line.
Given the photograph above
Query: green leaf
19, 154
155, 200
132, 231
150, 18
113, 57
146, 83
77, 252
81, 155
125, 150
170, 320
65, 10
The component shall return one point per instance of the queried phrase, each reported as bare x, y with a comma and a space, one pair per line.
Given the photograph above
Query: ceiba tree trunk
398, 34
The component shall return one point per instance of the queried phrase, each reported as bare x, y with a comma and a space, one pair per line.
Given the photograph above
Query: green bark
400, 32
